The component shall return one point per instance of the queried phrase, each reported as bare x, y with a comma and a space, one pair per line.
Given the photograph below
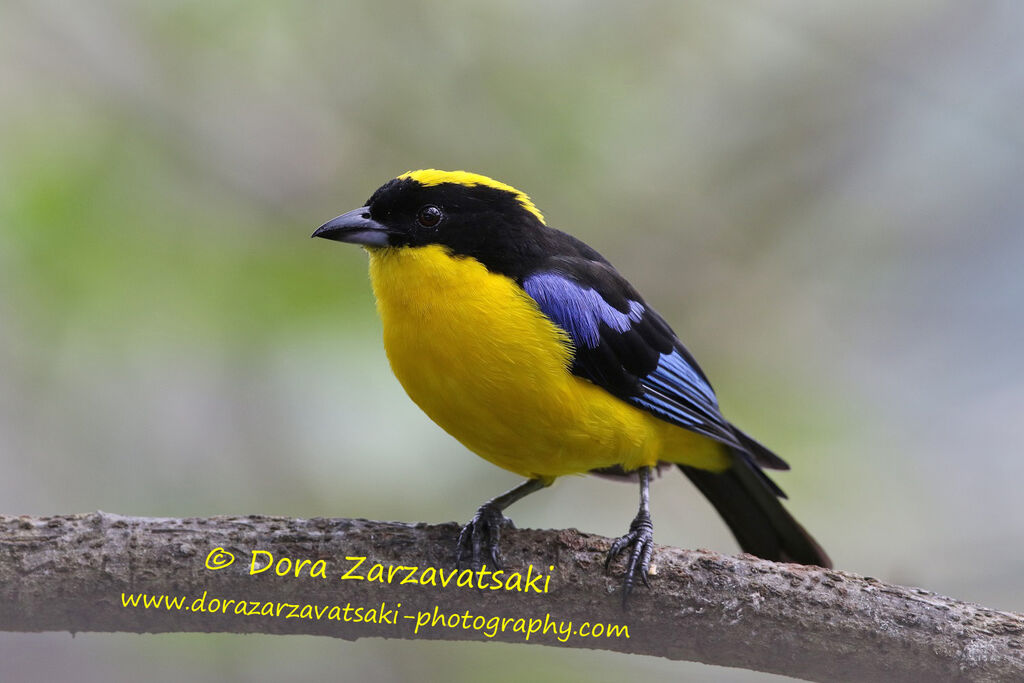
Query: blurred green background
824, 199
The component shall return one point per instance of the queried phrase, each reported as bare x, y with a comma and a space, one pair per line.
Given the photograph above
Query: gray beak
355, 227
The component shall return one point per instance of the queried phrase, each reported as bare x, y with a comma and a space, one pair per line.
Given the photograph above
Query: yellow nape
432, 176
474, 351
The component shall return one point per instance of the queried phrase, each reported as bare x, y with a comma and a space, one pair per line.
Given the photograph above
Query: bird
528, 346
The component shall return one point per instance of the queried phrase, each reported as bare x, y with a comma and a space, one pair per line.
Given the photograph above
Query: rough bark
68, 573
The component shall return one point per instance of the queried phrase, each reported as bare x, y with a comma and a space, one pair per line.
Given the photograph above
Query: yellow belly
476, 355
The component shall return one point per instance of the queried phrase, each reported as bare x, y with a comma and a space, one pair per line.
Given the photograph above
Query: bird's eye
429, 216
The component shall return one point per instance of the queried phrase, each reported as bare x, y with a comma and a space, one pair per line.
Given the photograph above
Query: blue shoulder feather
625, 347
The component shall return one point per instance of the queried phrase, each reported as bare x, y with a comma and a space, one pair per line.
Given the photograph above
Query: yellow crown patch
432, 176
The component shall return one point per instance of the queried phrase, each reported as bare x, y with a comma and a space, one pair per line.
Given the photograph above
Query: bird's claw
641, 541
483, 533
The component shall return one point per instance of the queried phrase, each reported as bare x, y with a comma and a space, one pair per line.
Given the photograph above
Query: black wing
625, 347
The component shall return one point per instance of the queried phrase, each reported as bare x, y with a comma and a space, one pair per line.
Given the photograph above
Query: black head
469, 214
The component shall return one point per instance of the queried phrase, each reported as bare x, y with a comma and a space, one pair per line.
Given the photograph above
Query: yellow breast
475, 353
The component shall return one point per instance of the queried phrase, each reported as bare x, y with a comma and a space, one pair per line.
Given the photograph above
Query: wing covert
625, 347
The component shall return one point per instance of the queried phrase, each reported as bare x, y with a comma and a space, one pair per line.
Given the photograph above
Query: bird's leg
484, 531
640, 540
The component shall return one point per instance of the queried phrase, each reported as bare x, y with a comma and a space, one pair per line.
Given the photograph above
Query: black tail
749, 503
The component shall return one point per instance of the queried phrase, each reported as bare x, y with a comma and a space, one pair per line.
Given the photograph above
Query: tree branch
73, 573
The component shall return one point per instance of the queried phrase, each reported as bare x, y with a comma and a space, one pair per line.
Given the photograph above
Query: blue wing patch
674, 372
579, 310
630, 351
674, 392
